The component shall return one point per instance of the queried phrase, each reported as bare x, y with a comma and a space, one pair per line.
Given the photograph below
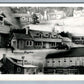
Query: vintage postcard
42, 39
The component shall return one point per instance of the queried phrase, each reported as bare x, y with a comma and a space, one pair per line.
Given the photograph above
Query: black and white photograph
42, 40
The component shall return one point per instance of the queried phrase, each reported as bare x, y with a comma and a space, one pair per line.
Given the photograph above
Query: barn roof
73, 52
13, 62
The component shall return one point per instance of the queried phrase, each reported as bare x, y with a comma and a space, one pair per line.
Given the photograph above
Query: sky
41, 82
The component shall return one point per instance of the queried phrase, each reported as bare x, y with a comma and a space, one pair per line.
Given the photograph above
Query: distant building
40, 16
23, 18
66, 62
56, 15
78, 39
78, 13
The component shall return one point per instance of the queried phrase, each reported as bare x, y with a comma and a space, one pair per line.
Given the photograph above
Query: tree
35, 19
66, 34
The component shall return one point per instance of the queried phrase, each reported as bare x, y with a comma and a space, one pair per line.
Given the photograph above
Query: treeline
68, 10
66, 34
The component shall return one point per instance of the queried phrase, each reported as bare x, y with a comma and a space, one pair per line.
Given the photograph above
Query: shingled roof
15, 63
35, 32
22, 36
46, 34
74, 52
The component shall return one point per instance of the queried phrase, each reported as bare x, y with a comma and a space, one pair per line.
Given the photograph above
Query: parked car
62, 46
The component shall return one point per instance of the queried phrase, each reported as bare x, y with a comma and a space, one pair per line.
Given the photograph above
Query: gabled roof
74, 52
6, 22
22, 36
24, 66
3, 14
44, 33
34, 32
39, 36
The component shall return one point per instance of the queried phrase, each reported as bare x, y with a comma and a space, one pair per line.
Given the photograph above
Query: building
7, 22
23, 18
34, 39
78, 39
16, 66
54, 15
4, 30
78, 13
40, 16
66, 62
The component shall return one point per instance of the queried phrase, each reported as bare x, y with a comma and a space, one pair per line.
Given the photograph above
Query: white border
41, 5
41, 77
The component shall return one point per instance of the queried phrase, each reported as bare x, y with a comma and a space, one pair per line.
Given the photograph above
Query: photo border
40, 77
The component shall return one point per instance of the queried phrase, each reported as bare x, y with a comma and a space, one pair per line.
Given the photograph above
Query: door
21, 44
47, 45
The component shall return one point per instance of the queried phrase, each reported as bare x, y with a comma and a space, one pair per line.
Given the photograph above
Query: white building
67, 61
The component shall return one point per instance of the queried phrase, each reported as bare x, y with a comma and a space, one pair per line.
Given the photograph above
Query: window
52, 44
70, 60
64, 60
23, 18
53, 61
59, 61
18, 69
38, 43
37, 34
47, 61
55, 36
46, 35
29, 43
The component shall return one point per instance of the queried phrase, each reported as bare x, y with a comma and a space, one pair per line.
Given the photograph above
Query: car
62, 46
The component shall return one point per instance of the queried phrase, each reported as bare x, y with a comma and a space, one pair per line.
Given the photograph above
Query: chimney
27, 29
4, 58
